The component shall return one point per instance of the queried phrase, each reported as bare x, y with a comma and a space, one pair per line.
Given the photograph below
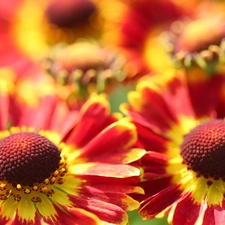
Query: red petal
110, 196
113, 144
214, 215
145, 134
110, 170
93, 118
104, 210
154, 185
154, 109
186, 212
208, 90
41, 118
118, 188
156, 204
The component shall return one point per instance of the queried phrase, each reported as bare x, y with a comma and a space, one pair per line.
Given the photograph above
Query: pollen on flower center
27, 158
203, 149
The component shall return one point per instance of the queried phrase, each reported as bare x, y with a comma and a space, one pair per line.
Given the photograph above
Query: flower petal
77, 216
114, 144
186, 212
117, 198
214, 215
160, 202
93, 117
210, 92
105, 211
110, 170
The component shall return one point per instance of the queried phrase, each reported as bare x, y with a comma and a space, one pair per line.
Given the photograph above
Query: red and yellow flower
35, 26
197, 42
141, 27
88, 67
65, 167
180, 122
162, 34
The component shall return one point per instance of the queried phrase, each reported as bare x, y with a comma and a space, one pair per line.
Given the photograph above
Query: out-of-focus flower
65, 167
86, 67
140, 27
186, 3
32, 27
180, 122
179, 36
49, 22
28, 87
198, 42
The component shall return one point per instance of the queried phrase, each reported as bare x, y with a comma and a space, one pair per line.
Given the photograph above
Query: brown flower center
203, 149
27, 158
69, 13
200, 34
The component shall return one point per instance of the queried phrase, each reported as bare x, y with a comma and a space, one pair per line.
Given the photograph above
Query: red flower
180, 122
65, 167
141, 26
162, 34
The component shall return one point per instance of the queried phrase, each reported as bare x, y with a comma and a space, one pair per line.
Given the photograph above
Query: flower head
51, 22
140, 27
180, 122
87, 67
197, 42
65, 167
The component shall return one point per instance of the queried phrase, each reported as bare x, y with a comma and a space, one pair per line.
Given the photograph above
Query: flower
65, 167
180, 122
87, 67
180, 36
141, 26
197, 42
51, 22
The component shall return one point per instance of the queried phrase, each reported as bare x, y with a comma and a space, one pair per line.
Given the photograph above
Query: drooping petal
151, 106
104, 148
93, 117
73, 215
186, 212
114, 197
214, 215
160, 202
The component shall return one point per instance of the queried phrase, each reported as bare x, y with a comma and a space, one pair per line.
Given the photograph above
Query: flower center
203, 149
69, 13
27, 158
200, 34
85, 67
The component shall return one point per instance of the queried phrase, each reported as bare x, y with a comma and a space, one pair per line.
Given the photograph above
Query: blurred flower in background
198, 41
140, 28
87, 67
33, 27
158, 34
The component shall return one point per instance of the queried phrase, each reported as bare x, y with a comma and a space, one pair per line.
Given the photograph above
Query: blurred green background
136, 220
